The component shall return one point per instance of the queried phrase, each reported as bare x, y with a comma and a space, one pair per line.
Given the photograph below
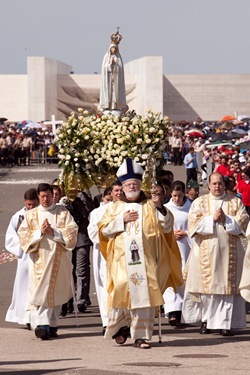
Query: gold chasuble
50, 267
140, 262
215, 261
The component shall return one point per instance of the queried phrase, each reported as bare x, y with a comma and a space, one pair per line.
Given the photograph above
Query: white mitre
129, 170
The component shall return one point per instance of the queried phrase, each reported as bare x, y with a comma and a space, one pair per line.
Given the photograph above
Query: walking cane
151, 166
74, 301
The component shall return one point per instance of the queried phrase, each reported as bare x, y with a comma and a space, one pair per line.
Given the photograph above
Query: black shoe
204, 330
81, 308
226, 332
174, 318
88, 302
53, 332
42, 333
104, 331
64, 309
28, 326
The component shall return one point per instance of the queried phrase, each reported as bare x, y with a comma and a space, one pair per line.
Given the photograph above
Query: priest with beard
135, 288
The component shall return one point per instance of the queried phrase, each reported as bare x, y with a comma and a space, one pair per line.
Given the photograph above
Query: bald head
216, 184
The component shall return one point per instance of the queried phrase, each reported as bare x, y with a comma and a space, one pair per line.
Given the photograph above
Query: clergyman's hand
216, 216
46, 228
222, 216
130, 216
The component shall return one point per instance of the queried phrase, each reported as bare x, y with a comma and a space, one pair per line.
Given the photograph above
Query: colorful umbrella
228, 118
195, 133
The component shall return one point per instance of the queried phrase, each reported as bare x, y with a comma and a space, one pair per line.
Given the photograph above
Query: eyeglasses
131, 184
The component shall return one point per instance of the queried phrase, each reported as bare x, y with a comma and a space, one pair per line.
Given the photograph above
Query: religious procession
160, 249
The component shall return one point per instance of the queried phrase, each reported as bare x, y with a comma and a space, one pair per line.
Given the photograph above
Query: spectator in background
223, 168
243, 188
191, 165
176, 143
27, 147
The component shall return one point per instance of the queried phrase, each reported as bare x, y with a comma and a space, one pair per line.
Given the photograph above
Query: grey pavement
80, 347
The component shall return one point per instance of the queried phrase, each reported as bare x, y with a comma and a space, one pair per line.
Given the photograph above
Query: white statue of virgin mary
113, 95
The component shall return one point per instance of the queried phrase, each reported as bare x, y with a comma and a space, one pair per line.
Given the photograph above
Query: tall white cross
53, 122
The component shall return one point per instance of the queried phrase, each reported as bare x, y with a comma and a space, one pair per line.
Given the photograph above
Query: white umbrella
33, 125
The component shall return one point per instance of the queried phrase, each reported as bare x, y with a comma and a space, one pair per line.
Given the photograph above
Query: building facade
49, 89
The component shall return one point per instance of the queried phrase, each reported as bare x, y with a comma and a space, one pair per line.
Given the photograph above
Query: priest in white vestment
99, 263
48, 234
135, 284
214, 268
179, 206
245, 278
17, 311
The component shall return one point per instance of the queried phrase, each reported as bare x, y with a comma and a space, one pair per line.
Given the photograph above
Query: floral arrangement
91, 147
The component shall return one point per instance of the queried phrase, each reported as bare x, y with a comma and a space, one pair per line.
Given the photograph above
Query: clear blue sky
193, 36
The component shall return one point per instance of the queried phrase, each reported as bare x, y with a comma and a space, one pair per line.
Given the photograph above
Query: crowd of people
143, 250
20, 146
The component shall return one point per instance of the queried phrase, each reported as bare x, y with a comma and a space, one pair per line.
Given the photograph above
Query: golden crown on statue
116, 38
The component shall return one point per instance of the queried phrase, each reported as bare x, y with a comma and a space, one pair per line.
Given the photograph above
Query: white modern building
49, 89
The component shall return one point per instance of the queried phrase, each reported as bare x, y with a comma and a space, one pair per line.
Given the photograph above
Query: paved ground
81, 349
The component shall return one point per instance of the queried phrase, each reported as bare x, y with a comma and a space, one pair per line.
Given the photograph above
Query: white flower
68, 157
77, 165
75, 159
139, 141
148, 140
67, 162
85, 112
120, 140
148, 110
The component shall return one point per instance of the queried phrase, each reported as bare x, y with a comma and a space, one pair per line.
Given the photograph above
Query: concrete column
42, 76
